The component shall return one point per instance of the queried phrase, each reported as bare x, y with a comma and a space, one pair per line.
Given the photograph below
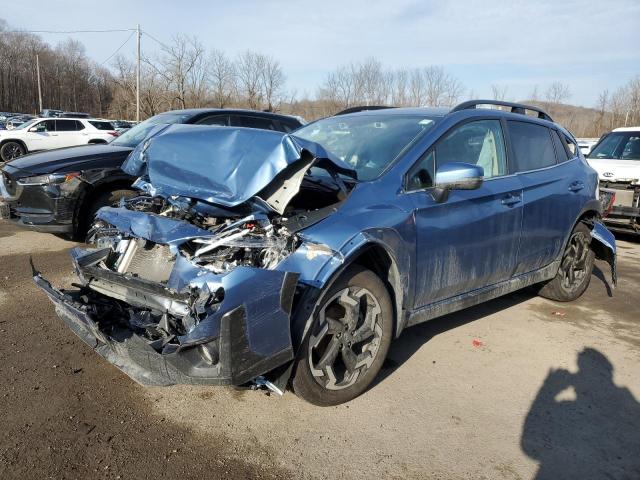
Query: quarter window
562, 153
532, 146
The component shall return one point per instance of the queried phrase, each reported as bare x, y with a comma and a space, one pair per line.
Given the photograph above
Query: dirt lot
514, 388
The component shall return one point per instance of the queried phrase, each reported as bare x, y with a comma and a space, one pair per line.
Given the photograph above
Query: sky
589, 44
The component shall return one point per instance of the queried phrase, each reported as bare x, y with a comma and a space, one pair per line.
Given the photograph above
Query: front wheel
11, 150
574, 274
348, 340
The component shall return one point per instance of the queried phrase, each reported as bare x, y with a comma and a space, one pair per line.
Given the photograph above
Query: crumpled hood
229, 166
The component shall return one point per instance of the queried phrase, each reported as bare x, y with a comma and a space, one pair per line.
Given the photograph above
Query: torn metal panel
604, 245
228, 166
243, 331
151, 227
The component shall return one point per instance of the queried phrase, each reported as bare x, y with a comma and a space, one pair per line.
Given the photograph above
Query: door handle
511, 200
576, 186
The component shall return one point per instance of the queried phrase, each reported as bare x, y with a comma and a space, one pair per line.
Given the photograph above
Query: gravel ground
517, 388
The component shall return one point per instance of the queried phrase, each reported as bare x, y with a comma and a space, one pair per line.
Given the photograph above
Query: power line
120, 47
155, 39
68, 31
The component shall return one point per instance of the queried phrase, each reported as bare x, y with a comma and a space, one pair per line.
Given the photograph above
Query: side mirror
37, 128
456, 176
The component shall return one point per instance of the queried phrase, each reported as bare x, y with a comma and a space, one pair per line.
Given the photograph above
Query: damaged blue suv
273, 260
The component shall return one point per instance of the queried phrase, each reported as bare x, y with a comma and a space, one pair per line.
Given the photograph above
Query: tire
11, 150
322, 374
105, 199
574, 274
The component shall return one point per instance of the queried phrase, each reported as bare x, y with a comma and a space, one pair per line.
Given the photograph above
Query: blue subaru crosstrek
273, 260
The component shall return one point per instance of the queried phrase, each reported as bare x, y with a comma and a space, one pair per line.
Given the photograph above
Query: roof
196, 111
626, 129
434, 112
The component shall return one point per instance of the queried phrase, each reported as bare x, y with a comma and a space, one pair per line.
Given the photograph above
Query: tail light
113, 133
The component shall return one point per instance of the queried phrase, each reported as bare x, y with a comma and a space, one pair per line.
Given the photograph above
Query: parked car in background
274, 260
51, 113
17, 120
47, 134
59, 191
616, 158
586, 144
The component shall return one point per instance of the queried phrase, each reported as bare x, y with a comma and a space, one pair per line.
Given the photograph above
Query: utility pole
138, 78
39, 87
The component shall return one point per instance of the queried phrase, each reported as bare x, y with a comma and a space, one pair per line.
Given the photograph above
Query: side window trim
505, 141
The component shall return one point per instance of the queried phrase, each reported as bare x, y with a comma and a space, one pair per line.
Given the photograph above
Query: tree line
185, 74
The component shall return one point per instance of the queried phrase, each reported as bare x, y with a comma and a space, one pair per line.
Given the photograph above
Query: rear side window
220, 120
532, 146
102, 125
255, 122
562, 154
68, 125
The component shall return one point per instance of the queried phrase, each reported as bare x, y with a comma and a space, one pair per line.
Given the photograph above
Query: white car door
41, 136
70, 133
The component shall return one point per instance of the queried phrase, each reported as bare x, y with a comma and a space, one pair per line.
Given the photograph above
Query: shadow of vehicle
413, 338
581, 425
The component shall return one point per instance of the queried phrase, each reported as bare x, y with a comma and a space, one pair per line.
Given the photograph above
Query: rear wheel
574, 274
348, 340
11, 150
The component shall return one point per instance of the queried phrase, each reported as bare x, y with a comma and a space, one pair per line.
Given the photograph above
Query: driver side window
478, 143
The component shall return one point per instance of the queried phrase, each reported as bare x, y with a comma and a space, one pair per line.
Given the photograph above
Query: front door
42, 136
470, 240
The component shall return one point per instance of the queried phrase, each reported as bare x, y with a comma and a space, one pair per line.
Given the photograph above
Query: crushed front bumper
248, 335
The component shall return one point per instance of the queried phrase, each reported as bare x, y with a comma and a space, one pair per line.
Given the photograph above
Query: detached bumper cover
248, 336
604, 246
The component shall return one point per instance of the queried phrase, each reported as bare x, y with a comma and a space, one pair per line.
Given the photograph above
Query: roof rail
515, 107
362, 108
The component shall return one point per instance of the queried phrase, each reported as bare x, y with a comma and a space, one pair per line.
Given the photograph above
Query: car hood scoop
229, 166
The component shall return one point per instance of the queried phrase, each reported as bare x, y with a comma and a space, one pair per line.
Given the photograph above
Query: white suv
49, 133
616, 157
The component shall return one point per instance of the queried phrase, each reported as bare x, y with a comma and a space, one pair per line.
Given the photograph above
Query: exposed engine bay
218, 244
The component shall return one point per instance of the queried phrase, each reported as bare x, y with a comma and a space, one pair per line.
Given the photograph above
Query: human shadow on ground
582, 425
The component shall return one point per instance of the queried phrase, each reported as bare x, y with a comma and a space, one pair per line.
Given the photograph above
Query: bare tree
557, 92
273, 81
249, 68
499, 92
221, 78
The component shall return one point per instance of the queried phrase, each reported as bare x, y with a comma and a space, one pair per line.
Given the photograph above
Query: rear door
471, 240
554, 185
70, 133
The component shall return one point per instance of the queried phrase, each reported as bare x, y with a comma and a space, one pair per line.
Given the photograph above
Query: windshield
618, 146
367, 143
26, 124
131, 138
